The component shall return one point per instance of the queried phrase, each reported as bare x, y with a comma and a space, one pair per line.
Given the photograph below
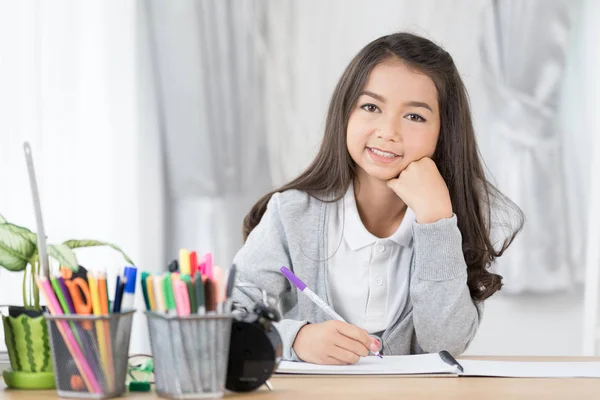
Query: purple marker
66, 295
313, 296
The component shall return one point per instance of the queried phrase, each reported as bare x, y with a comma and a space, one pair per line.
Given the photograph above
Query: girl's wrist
431, 216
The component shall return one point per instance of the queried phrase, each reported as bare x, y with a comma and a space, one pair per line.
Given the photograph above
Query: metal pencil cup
90, 354
190, 354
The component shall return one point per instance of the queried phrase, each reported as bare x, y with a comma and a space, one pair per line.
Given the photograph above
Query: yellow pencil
97, 309
150, 290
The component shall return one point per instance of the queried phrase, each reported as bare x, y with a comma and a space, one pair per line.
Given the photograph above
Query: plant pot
28, 345
15, 311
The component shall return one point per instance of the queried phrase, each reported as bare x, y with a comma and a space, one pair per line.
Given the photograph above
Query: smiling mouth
382, 153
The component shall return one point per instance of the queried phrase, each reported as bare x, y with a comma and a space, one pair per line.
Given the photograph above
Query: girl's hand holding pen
333, 342
423, 189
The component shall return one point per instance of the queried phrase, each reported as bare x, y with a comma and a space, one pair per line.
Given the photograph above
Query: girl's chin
381, 174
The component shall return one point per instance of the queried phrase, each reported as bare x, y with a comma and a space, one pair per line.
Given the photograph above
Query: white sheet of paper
512, 369
432, 364
389, 365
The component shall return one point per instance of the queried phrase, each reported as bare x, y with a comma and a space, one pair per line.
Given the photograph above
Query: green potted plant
25, 330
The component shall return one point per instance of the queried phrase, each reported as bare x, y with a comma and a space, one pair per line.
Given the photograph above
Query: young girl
390, 224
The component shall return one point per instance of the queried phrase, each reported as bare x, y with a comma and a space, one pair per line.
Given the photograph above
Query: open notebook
443, 364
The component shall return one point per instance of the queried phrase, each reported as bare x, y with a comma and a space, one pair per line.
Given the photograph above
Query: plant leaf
63, 254
74, 244
26, 233
2, 219
16, 246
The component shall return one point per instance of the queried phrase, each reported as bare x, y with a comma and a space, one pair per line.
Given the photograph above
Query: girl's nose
389, 131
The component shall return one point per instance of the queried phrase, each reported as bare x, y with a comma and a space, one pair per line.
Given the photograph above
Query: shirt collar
357, 236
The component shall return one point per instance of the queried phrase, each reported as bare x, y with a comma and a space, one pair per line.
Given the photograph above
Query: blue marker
128, 299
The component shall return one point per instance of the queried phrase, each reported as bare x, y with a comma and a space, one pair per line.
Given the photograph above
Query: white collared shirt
368, 276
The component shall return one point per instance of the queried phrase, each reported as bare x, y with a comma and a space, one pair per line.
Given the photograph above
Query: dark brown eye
415, 118
370, 108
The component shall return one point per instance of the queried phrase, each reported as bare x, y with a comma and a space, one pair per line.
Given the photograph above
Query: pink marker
208, 266
182, 299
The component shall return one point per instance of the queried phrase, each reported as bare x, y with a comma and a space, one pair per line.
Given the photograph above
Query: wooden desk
386, 387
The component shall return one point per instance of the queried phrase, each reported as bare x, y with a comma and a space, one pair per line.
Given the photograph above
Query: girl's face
395, 121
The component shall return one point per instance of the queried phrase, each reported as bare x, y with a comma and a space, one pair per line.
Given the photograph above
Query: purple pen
313, 296
66, 294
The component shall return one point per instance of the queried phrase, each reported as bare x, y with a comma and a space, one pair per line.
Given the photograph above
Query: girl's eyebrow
373, 95
418, 104
408, 103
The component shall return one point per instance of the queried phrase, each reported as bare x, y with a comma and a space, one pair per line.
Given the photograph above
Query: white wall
531, 325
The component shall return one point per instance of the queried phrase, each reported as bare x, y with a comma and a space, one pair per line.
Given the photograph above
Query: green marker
60, 295
169, 295
145, 290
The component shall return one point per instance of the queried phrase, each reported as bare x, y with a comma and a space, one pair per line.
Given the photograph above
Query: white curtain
69, 80
580, 122
511, 55
307, 44
586, 160
524, 47
243, 88
209, 82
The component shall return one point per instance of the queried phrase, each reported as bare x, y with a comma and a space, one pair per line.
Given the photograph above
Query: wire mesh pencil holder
90, 354
190, 354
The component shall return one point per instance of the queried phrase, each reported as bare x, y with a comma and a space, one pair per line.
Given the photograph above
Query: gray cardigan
293, 232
